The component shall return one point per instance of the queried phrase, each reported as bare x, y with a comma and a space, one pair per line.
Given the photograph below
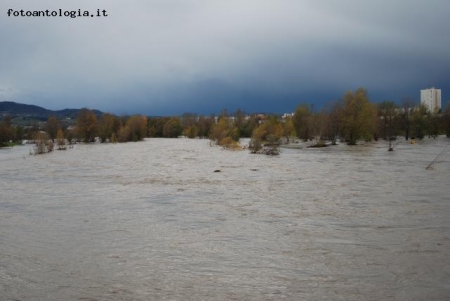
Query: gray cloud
166, 57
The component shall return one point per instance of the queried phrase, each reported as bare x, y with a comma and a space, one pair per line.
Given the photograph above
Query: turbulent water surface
153, 221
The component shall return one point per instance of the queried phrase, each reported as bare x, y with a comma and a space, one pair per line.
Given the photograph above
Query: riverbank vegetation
351, 119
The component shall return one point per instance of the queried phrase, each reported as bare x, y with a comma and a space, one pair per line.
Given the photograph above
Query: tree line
351, 119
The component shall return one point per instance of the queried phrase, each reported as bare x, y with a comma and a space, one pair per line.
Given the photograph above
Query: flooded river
153, 221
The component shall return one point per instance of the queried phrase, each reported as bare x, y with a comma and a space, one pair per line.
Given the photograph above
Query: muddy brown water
153, 221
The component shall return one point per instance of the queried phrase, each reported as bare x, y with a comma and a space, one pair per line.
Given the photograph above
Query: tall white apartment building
431, 98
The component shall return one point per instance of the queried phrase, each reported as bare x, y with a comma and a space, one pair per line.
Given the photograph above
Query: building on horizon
431, 98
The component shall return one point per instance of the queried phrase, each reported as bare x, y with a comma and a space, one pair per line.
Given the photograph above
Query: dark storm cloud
169, 57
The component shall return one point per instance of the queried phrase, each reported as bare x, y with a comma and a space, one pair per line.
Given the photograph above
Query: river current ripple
153, 221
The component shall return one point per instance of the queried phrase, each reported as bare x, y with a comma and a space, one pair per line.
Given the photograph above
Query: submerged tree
387, 112
357, 117
288, 129
204, 125
419, 122
270, 127
333, 129
155, 126
138, 127
107, 125
43, 143
5, 130
266, 138
188, 122
135, 129
433, 124
70, 135
302, 122
405, 117
86, 125
319, 127
60, 140
17, 134
172, 128
190, 131
52, 126
224, 131
446, 120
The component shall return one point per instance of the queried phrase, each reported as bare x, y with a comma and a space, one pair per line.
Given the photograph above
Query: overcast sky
173, 56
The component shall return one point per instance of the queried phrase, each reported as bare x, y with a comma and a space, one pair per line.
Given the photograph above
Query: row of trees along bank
350, 119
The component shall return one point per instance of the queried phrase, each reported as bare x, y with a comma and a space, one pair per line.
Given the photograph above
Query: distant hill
23, 110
